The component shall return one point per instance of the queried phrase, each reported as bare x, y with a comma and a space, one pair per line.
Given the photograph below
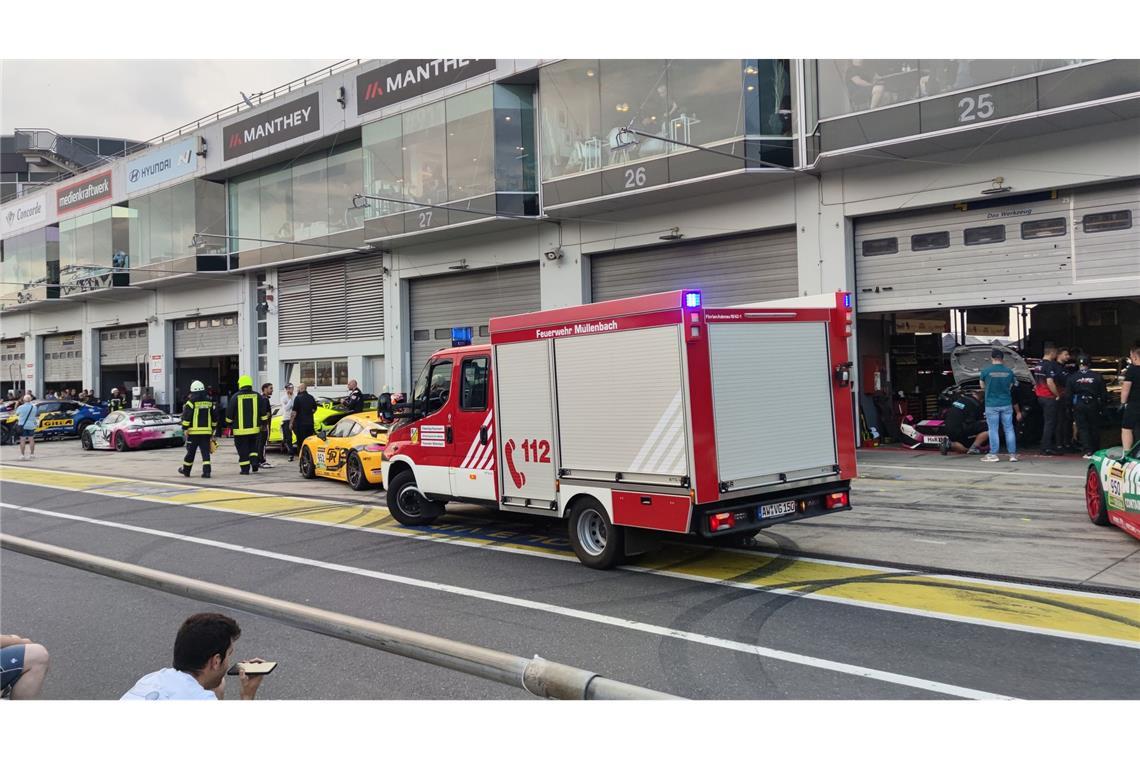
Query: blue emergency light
693, 299
460, 336
847, 300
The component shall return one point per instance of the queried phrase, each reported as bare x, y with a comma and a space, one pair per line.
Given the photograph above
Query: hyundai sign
158, 165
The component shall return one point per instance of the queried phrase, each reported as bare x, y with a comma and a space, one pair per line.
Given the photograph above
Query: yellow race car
351, 451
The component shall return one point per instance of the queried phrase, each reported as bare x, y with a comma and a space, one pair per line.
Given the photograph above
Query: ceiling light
508, 118
750, 70
589, 72
751, 88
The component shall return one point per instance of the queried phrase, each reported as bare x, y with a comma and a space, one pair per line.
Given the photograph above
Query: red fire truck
634, 419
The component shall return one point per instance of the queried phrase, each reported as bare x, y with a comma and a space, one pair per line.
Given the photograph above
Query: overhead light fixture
589, 72
674, 233
750, 70
997, 187
461, 264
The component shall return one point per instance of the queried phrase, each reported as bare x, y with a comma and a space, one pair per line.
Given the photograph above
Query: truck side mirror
384, 406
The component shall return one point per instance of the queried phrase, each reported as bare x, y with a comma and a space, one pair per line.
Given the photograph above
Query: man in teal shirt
998, 381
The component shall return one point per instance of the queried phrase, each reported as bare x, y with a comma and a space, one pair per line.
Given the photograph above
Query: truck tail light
835, 500
721, 521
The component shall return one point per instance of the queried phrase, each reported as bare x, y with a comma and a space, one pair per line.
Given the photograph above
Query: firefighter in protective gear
115, 403
245, 415
198, 425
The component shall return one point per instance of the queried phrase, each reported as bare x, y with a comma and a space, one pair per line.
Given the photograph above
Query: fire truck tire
407, 504
596, 542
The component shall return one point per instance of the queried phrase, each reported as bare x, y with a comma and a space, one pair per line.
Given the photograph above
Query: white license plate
934, 438
776, 510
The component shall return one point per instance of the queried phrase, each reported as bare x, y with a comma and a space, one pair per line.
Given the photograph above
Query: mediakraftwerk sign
83, 193
406, 79
162, 164
24, 213
271, 127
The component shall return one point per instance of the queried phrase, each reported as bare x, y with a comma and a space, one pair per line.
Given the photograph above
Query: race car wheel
355, 473
1094, 498
594, 538
308, 470
407, 504
85, 440
83, 426
121, 443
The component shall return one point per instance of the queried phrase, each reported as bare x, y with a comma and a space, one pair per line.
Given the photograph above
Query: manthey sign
161, 164
83, 193
277, 125
28, 212
406, 79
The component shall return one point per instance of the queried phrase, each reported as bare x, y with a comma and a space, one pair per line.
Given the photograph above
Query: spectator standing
354, 401
1130, 400
304, 407
998, 382
27, 420
202, 652
1088, 394
267, 399
1048, 392
23, 666
287, 398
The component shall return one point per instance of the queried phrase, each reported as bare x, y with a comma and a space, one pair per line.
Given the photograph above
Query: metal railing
256, 99
49, 141
536, 676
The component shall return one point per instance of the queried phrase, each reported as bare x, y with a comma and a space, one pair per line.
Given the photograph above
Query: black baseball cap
997, 353
1084, 360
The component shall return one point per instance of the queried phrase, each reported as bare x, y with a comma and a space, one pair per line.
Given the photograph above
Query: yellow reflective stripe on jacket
246, 413
201, 418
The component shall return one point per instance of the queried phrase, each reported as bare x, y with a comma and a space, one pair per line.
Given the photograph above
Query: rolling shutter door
1083, 244
122, 345
727, 271
331, 301
63, 358
469, 299
206, 336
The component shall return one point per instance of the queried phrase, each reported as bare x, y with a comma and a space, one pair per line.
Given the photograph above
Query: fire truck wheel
407, 504
596, 541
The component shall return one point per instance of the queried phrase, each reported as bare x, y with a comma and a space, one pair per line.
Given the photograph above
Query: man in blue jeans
998, 381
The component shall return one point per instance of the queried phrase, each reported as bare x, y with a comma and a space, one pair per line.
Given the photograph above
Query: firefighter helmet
245, 381
196, 386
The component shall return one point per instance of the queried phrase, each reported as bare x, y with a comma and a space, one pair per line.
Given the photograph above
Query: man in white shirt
286, 427
202, 653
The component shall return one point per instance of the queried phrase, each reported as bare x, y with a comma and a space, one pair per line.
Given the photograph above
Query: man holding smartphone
202, 653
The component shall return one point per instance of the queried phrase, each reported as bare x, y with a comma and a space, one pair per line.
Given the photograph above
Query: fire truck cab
634, 419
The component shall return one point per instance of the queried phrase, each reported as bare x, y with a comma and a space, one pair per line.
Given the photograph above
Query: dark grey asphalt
103, 634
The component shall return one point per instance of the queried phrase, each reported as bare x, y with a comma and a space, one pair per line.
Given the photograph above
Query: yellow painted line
1073, 614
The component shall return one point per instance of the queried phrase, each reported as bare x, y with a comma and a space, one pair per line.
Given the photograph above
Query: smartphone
252, 668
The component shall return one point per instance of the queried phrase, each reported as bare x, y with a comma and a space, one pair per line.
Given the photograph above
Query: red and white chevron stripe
481, 456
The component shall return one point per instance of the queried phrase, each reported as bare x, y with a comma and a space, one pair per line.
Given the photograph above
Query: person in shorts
23, 667
26, 421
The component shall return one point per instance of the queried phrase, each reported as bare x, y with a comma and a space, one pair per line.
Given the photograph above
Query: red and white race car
134, 429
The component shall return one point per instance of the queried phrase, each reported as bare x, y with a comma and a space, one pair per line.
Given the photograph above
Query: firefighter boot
206, 470
184, 470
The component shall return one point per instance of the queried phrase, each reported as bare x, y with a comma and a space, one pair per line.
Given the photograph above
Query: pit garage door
63, 358
467, 300
122, 357
728, 271
206, 336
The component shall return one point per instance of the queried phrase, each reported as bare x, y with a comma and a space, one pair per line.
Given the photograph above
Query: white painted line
593, 617
482, 544
928, 541
1021, 473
